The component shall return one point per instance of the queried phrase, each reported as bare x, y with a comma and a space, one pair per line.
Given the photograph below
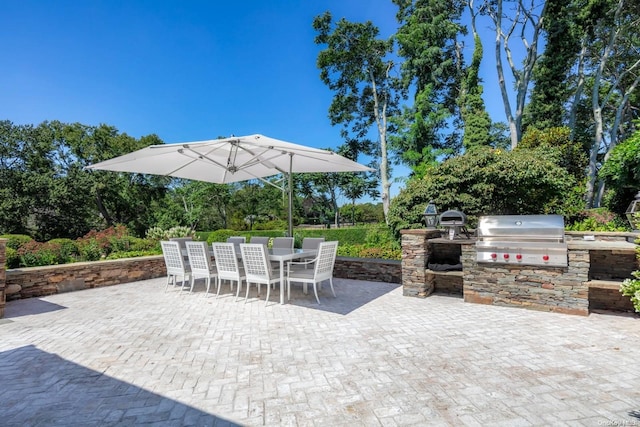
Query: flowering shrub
158, 233
33, 254
96, 245
631, 288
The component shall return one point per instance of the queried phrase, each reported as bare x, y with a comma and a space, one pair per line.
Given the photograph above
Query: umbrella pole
290, 195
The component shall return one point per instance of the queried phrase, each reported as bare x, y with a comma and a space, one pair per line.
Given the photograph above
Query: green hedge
374, 241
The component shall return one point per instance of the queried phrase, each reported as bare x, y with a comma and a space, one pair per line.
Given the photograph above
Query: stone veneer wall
556, 289
374, 270
417, 281
3, 260
590, 282
48, 280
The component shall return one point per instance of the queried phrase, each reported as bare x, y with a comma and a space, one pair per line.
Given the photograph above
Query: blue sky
184, 70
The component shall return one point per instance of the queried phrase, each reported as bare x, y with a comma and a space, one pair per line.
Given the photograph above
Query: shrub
36, 254
158, 233
487, 181
631, 288
96, 245
14, 241
68, 250
598, 219
12, 258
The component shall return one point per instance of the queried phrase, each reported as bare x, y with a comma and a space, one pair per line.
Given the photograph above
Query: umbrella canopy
231, 160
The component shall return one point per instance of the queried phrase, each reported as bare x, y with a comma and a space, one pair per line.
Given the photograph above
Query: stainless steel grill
522, 239
454, 221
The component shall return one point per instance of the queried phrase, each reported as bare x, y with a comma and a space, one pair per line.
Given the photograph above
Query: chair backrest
260, 239
181, 241
236, 240
282, 243
173, 257
199, 258
255, 260
311, 242
226, 261
325, 260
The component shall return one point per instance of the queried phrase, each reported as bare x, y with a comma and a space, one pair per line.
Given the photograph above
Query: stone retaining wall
42, 281
3, 260
48, 280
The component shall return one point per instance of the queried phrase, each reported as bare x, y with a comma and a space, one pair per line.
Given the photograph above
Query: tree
47, 193
550, 92
525, 21
356, 66
613, 52
427, 40
621, 172
476, 120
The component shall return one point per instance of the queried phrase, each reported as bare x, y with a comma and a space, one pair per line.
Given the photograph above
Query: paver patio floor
135, 355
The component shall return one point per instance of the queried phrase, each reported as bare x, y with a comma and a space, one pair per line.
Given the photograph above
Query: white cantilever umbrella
231, 160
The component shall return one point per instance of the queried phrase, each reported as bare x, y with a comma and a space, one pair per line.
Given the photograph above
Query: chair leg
247, 294
315, 291
219, 286
331, 284
266, 301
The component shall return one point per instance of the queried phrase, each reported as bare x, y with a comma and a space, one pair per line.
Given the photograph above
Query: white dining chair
227, 265
258, 268
322, 270
236, 240
183, 248
175, 264
201, 265
311, 243
282, 243
260, 239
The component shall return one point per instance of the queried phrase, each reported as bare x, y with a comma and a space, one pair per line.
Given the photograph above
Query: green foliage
133, 254
621, 173
14, 241
631, 287
35, 254
97, 245
12, 258
572, 154
598, 219
488, 181
68, 250
276, 224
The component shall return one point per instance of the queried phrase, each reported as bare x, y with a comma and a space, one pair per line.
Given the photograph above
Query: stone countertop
602, 245
457, 241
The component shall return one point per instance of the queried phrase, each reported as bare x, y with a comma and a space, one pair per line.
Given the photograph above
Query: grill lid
521, 227
452, 217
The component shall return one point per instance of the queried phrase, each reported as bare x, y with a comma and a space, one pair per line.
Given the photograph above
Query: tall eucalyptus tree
357, 66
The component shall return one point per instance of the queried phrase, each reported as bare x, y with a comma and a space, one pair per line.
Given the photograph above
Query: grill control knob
519, 257
494, 256
506, 256
545, 257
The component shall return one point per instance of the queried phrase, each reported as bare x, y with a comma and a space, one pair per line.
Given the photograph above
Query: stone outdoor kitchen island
597, 264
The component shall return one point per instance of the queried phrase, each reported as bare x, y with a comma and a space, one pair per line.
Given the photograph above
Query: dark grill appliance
522, 239
454, 221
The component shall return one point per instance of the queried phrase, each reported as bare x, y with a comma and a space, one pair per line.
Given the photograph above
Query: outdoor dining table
282, 255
